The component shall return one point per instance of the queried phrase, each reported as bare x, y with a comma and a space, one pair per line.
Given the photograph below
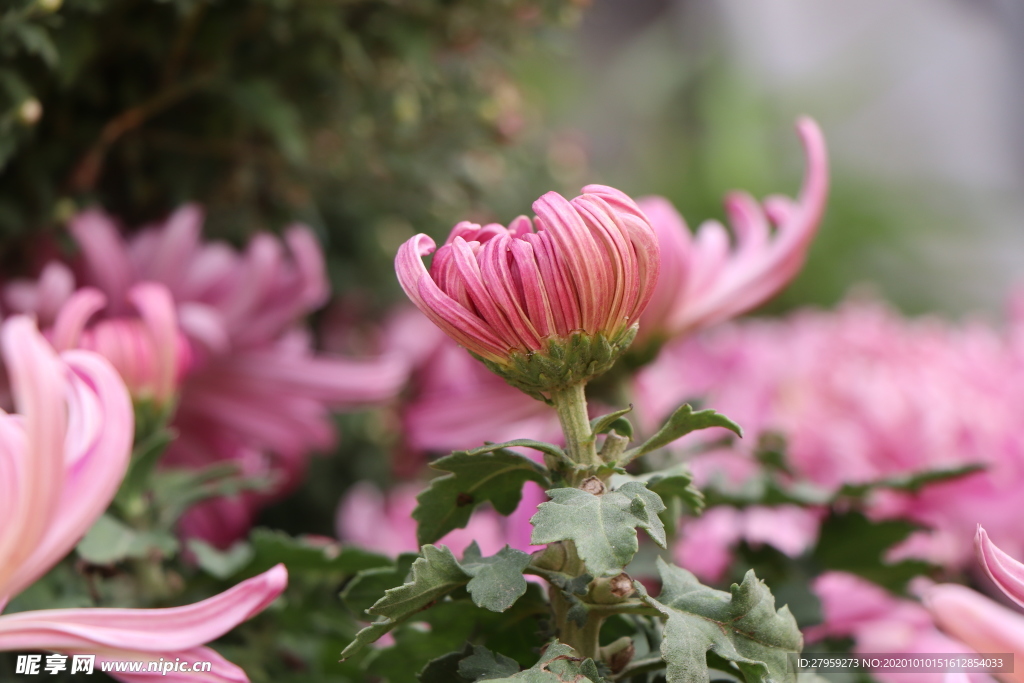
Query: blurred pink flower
881, 623
980, 622
702, 282
147, 349
706, 542
61, 463
456, 403
587, 265
863, 394
251, 388
383, 522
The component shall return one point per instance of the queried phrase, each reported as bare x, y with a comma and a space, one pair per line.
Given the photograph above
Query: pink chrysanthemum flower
704, 281
250, 387
547, 303
61, 462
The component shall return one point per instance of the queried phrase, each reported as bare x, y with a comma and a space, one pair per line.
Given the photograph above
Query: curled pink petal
95, 460
703, 283
148, 635
1005, 571
74, 316
142, 630
32, 453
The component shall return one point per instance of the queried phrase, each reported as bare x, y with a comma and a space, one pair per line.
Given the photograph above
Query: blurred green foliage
367, 119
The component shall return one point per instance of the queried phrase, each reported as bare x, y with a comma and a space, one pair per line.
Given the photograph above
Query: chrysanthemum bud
547, 303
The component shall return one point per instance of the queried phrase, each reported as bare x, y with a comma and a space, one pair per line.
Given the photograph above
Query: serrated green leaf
495, 583
445, 669
602, 527
474, 477
449, 625
484, 665
616, 421
497, 580
558, 664
679, 424
741, 626
109, 541
675, 488
434, 575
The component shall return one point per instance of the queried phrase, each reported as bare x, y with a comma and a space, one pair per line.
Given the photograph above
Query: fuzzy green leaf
675, 488
474, 477
369, 585
679, 424
497, 580
445, 669
602, 527
434, 575
742, 627
484, 665
494, 583
558, 664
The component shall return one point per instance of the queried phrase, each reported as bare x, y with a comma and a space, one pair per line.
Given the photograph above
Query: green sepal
564, 363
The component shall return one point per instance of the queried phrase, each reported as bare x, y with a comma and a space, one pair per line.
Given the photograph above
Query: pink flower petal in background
881, 623
453, 401
980, 622
250, 387
863, 394
383, 522
705, 546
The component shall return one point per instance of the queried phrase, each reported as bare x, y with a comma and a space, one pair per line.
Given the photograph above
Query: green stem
571, 405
